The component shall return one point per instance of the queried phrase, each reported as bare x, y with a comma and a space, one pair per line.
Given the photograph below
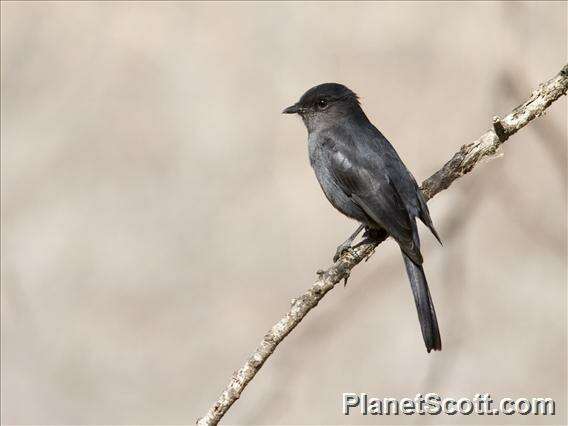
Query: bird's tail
424, 305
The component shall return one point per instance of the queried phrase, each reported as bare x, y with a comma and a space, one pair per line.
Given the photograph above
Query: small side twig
499, 129
460, 164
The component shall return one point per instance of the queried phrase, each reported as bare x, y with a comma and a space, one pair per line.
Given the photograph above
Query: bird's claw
347, 274
372, 252
341, 250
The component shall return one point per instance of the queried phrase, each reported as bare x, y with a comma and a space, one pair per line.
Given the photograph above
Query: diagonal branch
461, 163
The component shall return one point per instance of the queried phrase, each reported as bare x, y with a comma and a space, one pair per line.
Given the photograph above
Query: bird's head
324, 105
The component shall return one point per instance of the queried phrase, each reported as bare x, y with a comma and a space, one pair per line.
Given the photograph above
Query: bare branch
461, 163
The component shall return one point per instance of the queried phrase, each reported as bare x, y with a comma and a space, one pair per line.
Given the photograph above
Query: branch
461, 163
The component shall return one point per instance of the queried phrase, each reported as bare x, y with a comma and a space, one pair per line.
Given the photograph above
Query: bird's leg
346, 245
371, 236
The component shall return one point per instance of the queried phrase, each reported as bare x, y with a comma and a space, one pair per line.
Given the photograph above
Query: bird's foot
342, 249
372, 236
372, 252
346, 278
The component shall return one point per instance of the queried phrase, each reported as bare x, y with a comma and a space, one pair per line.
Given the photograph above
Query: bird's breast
333, 192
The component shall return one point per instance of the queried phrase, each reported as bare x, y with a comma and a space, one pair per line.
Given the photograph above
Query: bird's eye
322, 103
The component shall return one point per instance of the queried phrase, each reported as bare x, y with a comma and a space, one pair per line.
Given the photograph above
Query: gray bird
364, 178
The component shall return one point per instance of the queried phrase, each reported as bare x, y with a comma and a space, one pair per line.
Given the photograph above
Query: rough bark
460, 164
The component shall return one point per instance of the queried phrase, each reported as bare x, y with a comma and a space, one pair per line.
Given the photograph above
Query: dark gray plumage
364, 178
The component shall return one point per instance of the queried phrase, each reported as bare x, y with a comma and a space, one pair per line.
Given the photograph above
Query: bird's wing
403, 180
425, 216
366, 182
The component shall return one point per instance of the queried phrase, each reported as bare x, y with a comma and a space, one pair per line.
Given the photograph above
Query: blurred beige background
158, 212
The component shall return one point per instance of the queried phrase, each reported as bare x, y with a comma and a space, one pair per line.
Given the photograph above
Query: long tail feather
424, 305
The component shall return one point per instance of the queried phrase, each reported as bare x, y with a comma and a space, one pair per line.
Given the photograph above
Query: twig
461, 163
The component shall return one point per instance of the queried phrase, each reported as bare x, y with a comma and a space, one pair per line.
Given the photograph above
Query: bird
364, 178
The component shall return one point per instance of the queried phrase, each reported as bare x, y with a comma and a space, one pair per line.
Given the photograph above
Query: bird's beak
294, 109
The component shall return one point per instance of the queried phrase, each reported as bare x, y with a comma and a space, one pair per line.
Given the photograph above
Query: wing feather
372, 190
